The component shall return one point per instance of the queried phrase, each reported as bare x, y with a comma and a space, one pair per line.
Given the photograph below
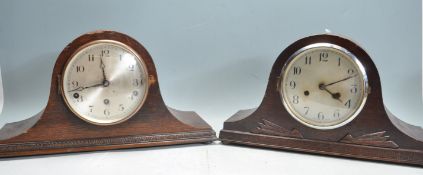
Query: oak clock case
104, 95
324, 97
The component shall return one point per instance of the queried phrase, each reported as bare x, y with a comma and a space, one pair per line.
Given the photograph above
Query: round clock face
105, 82
323, 86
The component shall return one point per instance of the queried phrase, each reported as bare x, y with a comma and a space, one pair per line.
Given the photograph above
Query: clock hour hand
334, 95
86, 87
344, 79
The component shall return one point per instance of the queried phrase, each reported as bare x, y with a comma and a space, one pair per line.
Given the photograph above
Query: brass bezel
357, 63
124, 46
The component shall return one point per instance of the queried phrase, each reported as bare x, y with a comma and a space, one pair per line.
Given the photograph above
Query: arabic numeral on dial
105, 53
320, 116
295, 99
91, 108
90, 57
131, 67
80, 68
75, 84
106, 112
306, 110
308, 60
348, 103
297, 70
354, 90
324, 57
336, 114
80, 99
134, 95
350, 71
136, 82
292, 84
121, 107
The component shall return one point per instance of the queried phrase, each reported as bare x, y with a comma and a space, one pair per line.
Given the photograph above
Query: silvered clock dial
323, 86
104, 82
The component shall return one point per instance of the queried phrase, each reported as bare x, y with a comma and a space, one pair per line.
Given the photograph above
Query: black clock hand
338, 81
102, 66
86, 87
334, 95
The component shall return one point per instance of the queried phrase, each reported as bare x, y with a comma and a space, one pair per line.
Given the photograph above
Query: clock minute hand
326, 85
86, 87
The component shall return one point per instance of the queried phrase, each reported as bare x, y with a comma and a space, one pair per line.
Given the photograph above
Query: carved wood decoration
57, 130
269, 128
375, 134
374, 139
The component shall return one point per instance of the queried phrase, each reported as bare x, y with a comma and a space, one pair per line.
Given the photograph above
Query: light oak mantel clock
104, 95
324, 97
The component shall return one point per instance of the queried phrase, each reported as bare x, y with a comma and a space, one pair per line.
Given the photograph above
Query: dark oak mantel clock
324, 97
104, 95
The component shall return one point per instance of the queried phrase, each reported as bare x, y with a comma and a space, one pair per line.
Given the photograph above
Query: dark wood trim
58, 146
404, 156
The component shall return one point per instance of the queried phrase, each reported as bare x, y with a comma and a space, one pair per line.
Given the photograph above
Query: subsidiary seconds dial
105, 82
323, 86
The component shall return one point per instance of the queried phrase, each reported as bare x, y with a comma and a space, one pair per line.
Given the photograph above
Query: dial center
106, 83
321, 86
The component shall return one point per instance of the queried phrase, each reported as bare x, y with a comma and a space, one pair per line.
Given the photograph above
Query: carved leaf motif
269, 128
373, 139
